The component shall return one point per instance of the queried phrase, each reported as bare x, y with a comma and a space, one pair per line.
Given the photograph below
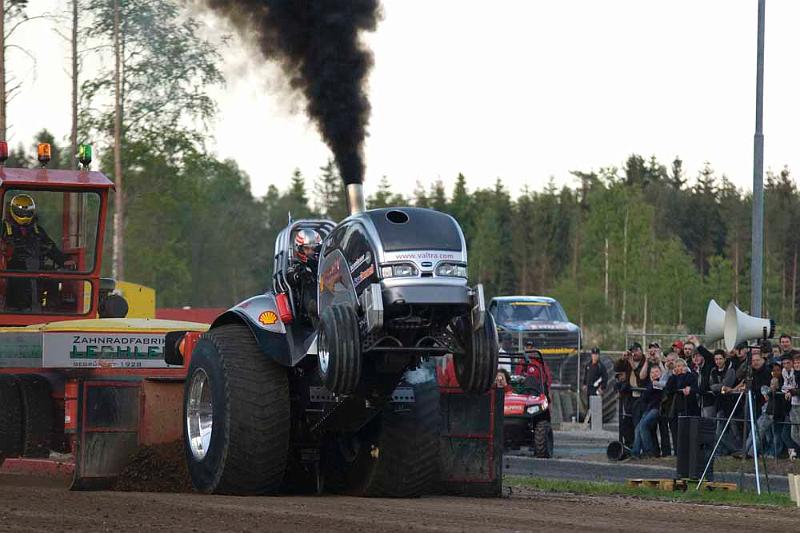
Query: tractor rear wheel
476, 368
394, 456
37, 415
10, 418
236, 415
339, 349
543, 439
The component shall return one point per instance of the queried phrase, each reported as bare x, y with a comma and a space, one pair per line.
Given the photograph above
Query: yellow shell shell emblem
268, 318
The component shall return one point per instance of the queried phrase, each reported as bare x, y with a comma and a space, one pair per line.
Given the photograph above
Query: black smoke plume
316, 43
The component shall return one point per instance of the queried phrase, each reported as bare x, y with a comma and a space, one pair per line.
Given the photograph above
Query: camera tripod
753, 432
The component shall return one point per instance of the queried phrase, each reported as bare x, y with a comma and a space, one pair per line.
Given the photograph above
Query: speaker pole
757, 263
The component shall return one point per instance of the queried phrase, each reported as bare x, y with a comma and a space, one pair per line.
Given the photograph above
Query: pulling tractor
374, 378
76, 377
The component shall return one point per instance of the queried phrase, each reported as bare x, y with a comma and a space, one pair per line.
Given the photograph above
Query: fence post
596, 412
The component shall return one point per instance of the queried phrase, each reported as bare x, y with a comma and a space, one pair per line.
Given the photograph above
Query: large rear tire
339, 349
476, 368
397, 454
37, 415
10, 418
236, 415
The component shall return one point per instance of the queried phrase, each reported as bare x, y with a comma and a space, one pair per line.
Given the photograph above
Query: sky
527, 91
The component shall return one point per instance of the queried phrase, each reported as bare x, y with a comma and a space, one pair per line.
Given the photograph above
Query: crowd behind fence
657, 386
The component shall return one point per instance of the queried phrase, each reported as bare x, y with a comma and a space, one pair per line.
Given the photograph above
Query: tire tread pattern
408, 460
258, 419
542, 433
343, 341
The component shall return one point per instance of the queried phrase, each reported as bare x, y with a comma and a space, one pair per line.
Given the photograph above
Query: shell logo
268, 318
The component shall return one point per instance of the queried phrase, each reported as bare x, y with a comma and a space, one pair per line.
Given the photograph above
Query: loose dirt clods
158, 468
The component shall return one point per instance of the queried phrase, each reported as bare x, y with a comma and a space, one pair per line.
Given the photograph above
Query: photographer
654, 359
722, 375
666, 428
643, 444
702, 365
683, 386
637, 362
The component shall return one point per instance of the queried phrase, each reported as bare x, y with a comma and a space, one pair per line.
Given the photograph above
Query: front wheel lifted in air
476, 366
339, 349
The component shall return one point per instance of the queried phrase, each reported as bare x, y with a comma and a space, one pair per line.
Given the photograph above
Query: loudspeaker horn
715, 322
739, 326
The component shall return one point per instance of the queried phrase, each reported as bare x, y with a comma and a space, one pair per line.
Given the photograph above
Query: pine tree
329, 192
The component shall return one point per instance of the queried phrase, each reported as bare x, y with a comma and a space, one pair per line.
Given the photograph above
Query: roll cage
283, 254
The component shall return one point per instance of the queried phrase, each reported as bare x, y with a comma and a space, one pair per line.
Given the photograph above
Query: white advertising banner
103, 350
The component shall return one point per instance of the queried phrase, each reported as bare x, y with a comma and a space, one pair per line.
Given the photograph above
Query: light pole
757, 256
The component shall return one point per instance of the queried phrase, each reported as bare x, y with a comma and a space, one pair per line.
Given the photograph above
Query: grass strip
604, 488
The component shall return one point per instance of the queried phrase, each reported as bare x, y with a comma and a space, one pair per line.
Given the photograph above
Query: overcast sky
522, 90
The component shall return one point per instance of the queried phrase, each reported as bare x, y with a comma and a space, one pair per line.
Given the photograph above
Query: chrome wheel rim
199, 414
323, 354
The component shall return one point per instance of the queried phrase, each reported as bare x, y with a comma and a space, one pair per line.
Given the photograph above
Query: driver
534, 365
302, 273
26, 246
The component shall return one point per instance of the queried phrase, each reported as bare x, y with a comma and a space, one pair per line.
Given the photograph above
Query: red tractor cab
50, 263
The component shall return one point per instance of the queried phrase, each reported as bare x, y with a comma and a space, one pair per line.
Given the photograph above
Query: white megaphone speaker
739, 326
715, 322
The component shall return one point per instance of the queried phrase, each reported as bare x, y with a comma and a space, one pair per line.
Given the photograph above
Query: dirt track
30, 505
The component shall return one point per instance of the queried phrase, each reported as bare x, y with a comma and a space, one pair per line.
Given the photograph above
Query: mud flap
471, 446
108, 431
115, 417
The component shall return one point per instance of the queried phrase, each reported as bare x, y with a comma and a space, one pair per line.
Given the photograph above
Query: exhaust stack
355, 198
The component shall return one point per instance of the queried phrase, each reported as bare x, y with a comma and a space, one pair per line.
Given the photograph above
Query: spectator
723, 375
651, 402
741, 355
652, 360
771, 406
637, 362
683, 386
677, 347
793, 395
665, 428
785, 342
776, 411
688, 351
761, 377
503, 380
622, 371
595, 377
702, 364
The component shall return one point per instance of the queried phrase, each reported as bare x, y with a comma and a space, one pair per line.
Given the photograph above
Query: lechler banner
103, 350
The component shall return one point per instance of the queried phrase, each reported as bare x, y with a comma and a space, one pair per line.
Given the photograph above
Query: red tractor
76, 376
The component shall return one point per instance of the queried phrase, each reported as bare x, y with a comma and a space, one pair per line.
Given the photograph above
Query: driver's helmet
307, 243
22, 208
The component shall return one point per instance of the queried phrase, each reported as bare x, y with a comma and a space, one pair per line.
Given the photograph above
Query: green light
85, 155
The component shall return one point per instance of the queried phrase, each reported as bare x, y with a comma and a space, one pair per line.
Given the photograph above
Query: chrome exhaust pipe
355, 198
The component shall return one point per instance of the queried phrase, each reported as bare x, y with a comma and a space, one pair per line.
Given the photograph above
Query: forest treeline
640, 246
